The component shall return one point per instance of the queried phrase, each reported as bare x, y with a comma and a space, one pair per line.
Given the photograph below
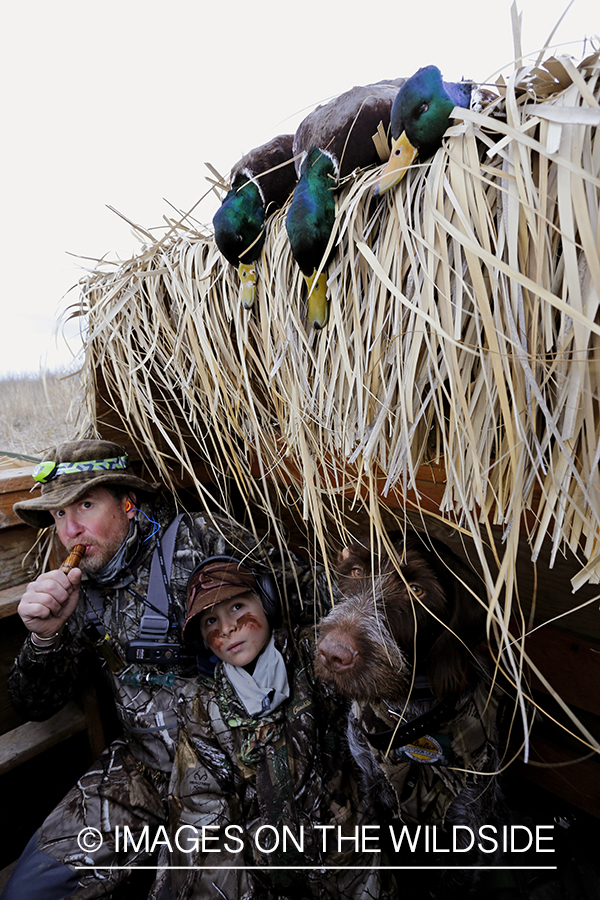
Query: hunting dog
401, 645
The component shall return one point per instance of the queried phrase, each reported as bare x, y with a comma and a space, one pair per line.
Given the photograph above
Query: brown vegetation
38, 411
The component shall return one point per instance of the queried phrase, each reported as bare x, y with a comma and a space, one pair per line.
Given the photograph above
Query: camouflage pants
86, 832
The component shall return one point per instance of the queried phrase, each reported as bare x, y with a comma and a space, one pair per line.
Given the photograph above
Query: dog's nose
337, 653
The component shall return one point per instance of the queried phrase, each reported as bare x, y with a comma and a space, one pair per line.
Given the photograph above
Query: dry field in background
37, 412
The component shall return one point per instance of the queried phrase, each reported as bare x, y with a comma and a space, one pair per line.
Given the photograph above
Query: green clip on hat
71, 470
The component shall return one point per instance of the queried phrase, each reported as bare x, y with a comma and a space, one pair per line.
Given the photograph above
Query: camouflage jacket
429, 773
260, 785
40, 683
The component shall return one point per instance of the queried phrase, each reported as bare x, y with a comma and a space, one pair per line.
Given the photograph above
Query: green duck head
309, 224
239, 226
420, 117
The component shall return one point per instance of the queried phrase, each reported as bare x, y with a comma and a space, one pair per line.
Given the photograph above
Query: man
124, 604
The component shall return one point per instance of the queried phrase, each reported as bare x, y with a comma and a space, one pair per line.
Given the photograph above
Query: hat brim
36, 512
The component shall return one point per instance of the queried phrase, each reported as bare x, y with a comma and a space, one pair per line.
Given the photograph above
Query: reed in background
38, 411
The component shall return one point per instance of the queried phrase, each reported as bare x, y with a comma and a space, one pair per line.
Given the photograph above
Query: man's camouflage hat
71, 470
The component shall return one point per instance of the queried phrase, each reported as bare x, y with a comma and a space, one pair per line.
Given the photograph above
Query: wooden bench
27, 741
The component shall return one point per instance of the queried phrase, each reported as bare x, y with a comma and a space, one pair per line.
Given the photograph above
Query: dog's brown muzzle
336, 654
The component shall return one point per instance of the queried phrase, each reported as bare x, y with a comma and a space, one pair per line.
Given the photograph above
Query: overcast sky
121, 103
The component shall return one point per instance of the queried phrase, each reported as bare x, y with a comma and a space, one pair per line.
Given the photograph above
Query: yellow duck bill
318, 304
247, 275
402, 155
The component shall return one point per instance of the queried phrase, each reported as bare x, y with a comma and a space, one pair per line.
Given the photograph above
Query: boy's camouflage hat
71, 470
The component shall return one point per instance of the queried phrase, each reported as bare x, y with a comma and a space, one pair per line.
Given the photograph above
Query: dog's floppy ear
450, 652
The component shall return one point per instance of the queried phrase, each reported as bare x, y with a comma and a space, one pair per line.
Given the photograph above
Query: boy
261, 763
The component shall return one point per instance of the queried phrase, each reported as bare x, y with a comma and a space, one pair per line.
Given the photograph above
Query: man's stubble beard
108, 550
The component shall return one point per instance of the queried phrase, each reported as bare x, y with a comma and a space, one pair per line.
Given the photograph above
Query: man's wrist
45, 643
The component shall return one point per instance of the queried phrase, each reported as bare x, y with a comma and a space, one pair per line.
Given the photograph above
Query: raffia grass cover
464, 330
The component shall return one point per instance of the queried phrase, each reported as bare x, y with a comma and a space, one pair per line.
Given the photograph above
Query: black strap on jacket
155, 620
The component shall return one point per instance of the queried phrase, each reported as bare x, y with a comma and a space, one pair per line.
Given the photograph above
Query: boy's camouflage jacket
271, 779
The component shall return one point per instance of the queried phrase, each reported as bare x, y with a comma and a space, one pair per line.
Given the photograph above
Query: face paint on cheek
213, 639
249, 620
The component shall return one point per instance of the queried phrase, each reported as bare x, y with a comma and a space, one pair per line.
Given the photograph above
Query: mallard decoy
261, 182
309, 225
330, 143
420, 117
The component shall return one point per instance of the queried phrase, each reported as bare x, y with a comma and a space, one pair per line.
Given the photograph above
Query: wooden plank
571, 664
15, 484
16, 480
9, 599
15, 544
8, 518
26, 741
564, 774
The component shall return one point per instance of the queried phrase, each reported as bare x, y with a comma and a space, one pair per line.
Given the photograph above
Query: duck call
74, 558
